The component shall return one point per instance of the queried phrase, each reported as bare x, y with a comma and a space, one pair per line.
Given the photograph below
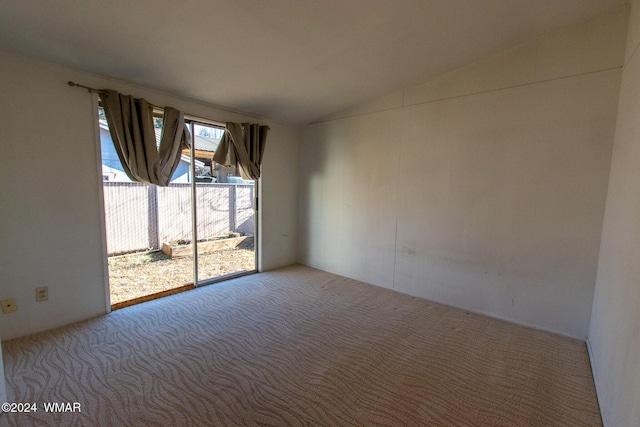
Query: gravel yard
136, 275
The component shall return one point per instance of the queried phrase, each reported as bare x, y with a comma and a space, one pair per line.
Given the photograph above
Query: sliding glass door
199, 229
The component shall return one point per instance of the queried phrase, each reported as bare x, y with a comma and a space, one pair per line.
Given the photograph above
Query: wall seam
432, 101
395, 235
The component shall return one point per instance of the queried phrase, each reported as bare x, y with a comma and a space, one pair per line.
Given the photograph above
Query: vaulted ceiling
294, 61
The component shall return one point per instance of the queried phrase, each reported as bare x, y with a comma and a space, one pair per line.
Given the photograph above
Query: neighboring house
208, 170
113, 171
204, 148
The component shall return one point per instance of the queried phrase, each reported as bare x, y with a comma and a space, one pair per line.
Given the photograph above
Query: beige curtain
243, 144
131, 126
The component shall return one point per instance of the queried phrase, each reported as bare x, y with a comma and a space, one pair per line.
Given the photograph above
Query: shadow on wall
313, 158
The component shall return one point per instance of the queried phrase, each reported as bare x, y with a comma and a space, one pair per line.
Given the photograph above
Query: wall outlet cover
42, 294
9, 305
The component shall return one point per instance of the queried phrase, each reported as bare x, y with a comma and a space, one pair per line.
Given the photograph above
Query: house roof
289, 60
204, 143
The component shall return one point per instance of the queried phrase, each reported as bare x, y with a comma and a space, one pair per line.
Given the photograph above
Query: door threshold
226, 277
177, 290
151, 297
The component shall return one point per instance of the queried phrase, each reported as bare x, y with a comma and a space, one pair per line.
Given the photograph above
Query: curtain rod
94, 90
195, 118
88, 88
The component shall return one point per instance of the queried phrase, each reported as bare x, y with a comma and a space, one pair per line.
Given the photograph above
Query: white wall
483, 188
3, 384
614, 335
50, 201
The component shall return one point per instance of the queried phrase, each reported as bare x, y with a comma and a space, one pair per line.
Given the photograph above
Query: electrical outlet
9, 305
42, 294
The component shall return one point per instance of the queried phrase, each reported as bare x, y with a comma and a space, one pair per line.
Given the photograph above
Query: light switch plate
9, 305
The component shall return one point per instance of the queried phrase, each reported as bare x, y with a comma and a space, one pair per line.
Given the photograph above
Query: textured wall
614, 335
483, 188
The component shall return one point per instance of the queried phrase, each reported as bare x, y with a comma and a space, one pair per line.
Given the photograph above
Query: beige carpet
298, 346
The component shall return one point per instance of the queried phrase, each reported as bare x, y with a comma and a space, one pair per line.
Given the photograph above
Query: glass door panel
225, 212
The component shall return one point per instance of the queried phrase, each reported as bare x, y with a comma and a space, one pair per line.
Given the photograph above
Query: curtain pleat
175, 137
243, 144
131, 127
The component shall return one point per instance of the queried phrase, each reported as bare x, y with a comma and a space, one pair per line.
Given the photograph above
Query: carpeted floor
297, 346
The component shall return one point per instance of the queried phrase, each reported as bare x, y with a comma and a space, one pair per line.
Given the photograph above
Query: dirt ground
136, 275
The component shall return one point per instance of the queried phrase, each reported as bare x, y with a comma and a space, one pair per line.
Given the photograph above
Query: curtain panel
131, 127
243, 144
